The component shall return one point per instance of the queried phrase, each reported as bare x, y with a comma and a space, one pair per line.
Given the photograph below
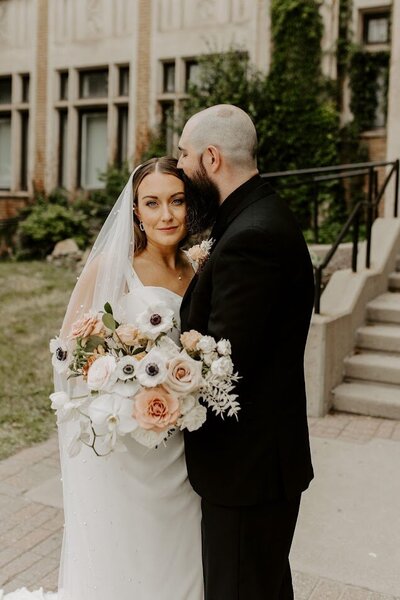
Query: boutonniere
199, 253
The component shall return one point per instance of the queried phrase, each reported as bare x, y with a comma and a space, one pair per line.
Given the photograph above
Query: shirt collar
232, 201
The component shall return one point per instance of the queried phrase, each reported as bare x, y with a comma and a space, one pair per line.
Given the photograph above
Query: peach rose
88, 325
128, 334
184, 374
189, 340
156, 409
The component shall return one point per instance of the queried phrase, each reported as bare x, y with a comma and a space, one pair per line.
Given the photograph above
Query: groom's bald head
226, 127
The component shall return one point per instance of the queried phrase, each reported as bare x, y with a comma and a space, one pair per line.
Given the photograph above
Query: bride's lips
168, 228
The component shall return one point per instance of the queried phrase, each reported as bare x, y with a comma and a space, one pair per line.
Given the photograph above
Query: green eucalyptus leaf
109, 322
108, 309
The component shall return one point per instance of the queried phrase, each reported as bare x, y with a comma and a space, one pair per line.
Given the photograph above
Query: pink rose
189, 340
88, 325
156, 409
184, 374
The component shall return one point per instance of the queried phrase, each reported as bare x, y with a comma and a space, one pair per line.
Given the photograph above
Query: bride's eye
178, 201
151, 203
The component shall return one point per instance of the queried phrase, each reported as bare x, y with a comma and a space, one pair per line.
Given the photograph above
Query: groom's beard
203, 199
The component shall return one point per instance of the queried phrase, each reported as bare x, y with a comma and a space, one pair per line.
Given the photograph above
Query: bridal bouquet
138, 381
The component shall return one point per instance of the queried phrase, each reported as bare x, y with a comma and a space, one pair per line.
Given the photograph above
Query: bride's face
162, 208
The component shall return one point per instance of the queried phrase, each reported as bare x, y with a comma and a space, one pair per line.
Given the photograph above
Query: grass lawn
33, 297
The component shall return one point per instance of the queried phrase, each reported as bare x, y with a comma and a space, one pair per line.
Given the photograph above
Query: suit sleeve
247, 279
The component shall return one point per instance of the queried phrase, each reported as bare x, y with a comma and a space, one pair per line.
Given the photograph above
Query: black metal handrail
370, 206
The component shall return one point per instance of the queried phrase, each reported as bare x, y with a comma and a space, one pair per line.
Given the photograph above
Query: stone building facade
83, 82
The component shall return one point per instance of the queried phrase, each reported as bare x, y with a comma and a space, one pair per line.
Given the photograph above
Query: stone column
393, 119
143, 53
40, 112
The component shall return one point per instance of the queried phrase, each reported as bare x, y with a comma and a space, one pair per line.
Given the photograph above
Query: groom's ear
213, 158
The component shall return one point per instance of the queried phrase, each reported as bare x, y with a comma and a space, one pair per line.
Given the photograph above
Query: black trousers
246, 550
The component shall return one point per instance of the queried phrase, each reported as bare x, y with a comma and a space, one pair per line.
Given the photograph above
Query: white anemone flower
111, 415
152, 369
61, 354
126, 367
156, 319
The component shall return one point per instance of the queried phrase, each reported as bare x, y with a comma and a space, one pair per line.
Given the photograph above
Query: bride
132, 520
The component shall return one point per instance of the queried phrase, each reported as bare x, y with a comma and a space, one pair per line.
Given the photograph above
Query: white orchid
66, 407
156, 319
83, 435
111, 416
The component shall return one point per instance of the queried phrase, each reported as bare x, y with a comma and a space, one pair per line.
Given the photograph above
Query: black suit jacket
256, 289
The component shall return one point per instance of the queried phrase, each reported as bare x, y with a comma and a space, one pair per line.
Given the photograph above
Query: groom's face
202, 196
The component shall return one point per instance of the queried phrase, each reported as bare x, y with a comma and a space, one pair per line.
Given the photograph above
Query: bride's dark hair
166, 165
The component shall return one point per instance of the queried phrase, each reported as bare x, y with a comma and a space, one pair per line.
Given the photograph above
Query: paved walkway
347, 543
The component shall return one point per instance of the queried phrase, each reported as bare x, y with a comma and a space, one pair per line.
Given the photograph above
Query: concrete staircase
371, 384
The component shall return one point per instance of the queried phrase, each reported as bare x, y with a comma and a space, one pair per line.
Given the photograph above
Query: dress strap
131, 277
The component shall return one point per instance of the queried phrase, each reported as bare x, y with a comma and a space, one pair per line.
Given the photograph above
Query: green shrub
45, 225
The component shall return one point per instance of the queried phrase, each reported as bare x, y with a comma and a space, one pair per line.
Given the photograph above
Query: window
94, 84
167, 125
5, 90
191, 73
63, 148
23, 176
5, 151
25, 85
124, 81
64, 85
122, 140
376, 29
169, 77
93, 148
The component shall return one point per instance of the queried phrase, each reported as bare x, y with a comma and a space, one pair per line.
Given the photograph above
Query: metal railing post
396, 188
315, 213
356, 229
369, 215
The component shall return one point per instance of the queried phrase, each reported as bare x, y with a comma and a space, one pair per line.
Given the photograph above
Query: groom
256, 289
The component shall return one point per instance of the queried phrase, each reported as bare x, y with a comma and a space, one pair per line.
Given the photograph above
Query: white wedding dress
132, 520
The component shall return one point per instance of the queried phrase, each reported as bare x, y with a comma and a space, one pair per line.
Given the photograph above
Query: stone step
385, 308
368, 399
385, 338
373, 366
394, 281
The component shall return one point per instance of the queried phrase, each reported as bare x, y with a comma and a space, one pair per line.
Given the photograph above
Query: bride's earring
141, 226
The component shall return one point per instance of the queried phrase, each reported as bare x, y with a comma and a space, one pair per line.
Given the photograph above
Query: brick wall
41, 94
143, 77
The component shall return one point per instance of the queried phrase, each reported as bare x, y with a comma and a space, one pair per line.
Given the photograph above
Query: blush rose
184, 374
